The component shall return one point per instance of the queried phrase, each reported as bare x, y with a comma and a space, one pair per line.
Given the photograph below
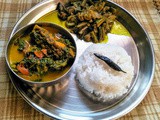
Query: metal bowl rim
46, 83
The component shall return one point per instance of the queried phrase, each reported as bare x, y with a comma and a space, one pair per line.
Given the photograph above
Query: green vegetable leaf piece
21, 44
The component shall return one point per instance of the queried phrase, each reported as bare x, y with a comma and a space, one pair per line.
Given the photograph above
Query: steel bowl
25, 30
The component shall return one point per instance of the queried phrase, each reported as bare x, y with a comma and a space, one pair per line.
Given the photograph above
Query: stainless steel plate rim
49, 113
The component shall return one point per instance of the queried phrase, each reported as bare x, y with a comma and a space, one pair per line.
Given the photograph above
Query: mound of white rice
98, 78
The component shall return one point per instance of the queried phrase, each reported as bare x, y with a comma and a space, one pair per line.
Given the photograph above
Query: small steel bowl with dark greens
40, 54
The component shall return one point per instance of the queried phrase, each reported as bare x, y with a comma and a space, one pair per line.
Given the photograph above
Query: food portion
100, 80
43, 54
90, 20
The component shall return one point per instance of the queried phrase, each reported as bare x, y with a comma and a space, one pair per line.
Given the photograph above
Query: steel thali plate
70, 103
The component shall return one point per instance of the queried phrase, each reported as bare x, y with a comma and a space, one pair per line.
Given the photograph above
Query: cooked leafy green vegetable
88, 19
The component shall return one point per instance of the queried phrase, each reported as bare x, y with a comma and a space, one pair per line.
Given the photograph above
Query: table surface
12, 105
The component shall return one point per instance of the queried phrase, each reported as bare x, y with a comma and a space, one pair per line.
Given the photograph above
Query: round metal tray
70, 103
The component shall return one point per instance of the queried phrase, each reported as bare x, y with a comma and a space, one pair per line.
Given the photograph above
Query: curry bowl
41, 54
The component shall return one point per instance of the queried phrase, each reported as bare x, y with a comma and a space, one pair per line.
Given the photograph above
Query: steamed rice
97, 77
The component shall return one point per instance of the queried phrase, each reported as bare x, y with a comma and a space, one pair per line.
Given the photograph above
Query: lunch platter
64, 100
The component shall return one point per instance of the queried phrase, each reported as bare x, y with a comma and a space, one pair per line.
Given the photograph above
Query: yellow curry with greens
41, 55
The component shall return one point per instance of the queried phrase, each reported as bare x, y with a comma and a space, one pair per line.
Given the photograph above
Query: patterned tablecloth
12, 105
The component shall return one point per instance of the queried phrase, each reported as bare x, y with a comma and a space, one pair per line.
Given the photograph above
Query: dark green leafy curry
90, 20
43, 52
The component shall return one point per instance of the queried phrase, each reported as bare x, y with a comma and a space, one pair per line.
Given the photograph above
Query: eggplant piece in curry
43, 52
